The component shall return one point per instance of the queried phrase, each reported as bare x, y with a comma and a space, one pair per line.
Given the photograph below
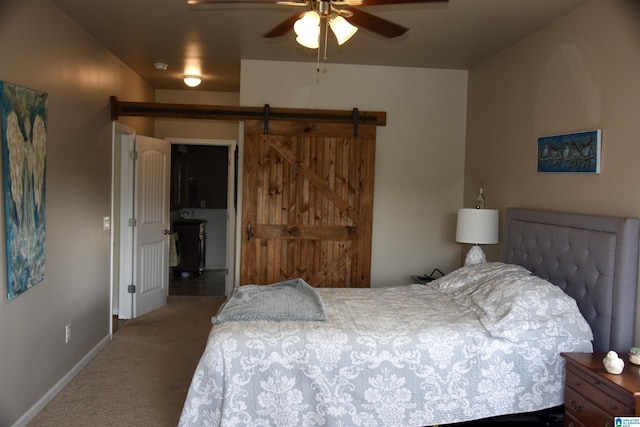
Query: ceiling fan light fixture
341, 28
307, 29
192, 81
311, 43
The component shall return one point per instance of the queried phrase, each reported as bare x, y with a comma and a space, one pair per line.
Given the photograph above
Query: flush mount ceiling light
192, 81
160, 66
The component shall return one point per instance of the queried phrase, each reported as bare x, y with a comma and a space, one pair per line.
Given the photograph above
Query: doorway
202, 212
123, 139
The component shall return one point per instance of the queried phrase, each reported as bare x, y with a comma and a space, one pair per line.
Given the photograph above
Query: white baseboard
57, 388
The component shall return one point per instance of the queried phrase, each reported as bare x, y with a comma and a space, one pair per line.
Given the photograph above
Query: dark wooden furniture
594, 397
191, 243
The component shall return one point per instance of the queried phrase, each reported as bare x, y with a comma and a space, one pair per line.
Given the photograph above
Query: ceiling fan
342, 16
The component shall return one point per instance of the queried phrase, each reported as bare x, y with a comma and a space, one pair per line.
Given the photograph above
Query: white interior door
152, 223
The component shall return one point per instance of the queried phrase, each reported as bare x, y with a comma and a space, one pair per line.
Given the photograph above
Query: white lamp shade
341, 28
309, 42
307, 29
477, 226
192, 81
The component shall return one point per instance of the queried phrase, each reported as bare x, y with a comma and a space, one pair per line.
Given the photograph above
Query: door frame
121, 136
232, 201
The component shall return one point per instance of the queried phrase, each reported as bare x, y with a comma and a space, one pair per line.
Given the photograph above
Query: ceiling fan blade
195, 2
375, 24
281, 3
284, 27
384, 2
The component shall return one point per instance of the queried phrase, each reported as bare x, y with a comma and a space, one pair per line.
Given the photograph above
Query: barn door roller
265, 111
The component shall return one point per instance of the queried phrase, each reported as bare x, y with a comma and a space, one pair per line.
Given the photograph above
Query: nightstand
594, 397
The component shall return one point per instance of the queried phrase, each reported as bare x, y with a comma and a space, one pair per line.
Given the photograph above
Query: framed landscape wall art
573, 152
24, 144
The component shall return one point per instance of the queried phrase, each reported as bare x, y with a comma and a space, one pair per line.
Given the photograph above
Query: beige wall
419, 153
201, 129
580, 73
42, 49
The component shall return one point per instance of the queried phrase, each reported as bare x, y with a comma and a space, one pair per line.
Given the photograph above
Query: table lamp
477, 227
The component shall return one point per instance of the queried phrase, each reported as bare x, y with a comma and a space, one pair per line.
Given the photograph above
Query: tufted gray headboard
592, 258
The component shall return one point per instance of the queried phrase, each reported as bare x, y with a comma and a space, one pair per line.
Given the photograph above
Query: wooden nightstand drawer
594, 389
594, 397
585, 410
571, 421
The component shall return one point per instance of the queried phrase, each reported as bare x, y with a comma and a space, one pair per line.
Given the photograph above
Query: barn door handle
249, 233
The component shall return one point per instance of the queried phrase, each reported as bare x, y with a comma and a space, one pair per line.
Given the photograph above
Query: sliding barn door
307, 203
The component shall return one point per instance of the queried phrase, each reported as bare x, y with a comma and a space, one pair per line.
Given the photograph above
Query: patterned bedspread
479, 342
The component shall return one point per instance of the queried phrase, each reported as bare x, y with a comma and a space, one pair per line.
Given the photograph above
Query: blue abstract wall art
24, 144
574, 152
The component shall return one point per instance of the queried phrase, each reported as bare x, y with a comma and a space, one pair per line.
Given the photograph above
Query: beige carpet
142, 376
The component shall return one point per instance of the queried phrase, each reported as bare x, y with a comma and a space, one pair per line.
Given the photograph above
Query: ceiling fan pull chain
326, 36
318, 64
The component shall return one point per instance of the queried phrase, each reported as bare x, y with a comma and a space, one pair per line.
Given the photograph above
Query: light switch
106, 223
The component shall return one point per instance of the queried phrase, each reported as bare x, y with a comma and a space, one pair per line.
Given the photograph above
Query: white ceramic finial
612, 363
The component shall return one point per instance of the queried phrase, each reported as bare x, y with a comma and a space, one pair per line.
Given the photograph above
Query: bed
482, 341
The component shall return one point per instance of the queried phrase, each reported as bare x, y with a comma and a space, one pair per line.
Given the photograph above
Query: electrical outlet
106, 223
67, 333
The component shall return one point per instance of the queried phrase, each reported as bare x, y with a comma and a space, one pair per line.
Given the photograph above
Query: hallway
209, 283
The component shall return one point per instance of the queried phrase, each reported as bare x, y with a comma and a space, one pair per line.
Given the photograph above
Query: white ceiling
456, 35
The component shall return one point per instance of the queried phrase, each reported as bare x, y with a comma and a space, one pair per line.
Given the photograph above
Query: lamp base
475, 256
